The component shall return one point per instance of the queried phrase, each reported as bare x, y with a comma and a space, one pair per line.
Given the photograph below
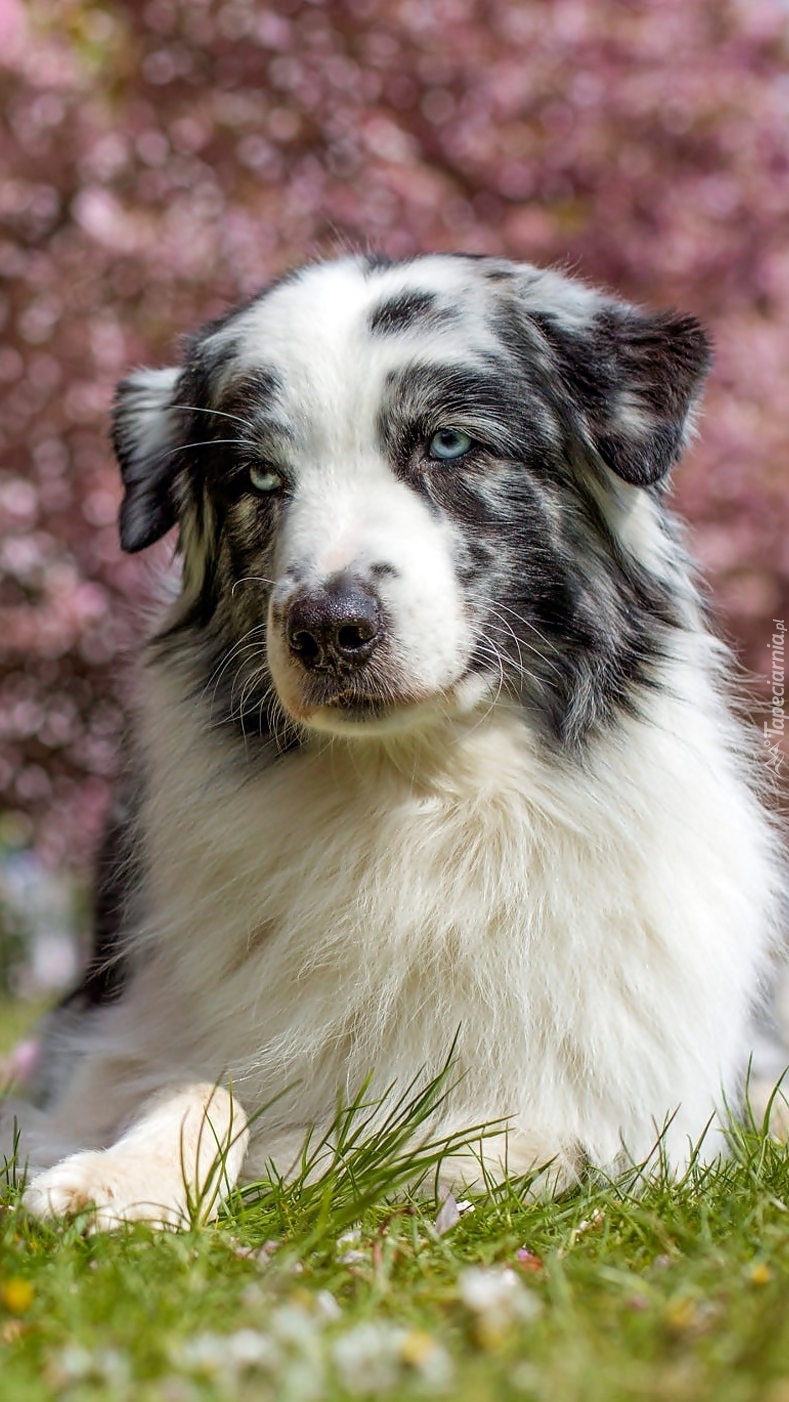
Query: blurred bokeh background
160, 160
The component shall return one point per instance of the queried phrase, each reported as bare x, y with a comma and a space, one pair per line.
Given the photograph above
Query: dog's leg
513, 1154
179, 1159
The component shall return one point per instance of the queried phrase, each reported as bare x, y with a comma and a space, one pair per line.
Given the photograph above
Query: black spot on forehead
252, 394
401, 311
206, 361
218, 403
421, 391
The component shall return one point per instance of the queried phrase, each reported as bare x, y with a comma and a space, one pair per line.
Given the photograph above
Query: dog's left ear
144, 435
635, 376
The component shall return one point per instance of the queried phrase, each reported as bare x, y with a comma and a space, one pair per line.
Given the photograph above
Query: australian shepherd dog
432, 749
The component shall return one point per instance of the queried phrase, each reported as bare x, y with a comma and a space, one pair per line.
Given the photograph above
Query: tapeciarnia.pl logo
774, 727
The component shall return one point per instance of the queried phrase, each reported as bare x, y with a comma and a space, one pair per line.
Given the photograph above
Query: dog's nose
337, 626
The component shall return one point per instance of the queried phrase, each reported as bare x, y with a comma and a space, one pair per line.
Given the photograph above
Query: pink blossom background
161, 160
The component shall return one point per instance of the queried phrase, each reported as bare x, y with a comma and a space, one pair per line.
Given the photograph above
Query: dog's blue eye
264, 478
449, 443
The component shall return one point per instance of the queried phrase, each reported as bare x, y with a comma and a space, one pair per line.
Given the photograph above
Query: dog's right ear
144, 428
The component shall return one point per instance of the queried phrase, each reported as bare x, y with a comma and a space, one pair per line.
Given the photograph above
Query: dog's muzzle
335, 628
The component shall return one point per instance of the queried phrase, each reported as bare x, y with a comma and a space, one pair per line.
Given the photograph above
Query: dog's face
403, 490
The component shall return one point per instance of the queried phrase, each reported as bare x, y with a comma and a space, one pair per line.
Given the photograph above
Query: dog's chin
373, 719
372, 716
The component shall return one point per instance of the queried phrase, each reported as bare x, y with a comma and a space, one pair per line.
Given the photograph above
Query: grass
339, 1288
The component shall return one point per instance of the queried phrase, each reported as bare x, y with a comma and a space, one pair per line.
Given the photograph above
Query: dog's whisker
484, 646
525, 621
231, 653
247, 683
217, 413
206, 443
506, 626
247, 688
510, 632
252, 579
243, 645
277, 722
494, 700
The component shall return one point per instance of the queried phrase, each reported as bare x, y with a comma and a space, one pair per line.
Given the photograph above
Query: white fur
350, 909
152, 417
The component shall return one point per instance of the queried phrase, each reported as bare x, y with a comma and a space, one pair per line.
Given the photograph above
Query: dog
433, 748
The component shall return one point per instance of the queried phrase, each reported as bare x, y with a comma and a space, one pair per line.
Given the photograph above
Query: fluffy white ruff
595, 933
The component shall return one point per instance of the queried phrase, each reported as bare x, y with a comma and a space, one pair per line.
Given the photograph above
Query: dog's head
406, 489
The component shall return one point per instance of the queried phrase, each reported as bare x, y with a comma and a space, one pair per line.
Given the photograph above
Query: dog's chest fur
352, 907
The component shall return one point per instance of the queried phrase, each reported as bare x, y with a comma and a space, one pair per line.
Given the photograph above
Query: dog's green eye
264, 478
449, 443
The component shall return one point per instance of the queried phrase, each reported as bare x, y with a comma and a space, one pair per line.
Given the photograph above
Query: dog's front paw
109, 1188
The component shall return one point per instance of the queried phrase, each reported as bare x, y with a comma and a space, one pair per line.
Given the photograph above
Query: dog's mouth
320, 698
368, 705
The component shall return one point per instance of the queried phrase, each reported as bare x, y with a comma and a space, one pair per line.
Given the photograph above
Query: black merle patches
173, 435
208, 358
226, 432
634, 378
404, 311
575, 628
144, 435
230, 421
219, 422
253, 396
579, 633
489, 402
499, 273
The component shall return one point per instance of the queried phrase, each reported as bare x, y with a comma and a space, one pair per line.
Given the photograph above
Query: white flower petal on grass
302, 1380
368, 1358
351, 1238
295, 1326
498, 1296
215, 1355
261, 1254
300, 1334
202, 1353
115, 1369
327, 1307
250, 1348
429, 1360
448, 1215
352, 1256
76, 1364
373, 1358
